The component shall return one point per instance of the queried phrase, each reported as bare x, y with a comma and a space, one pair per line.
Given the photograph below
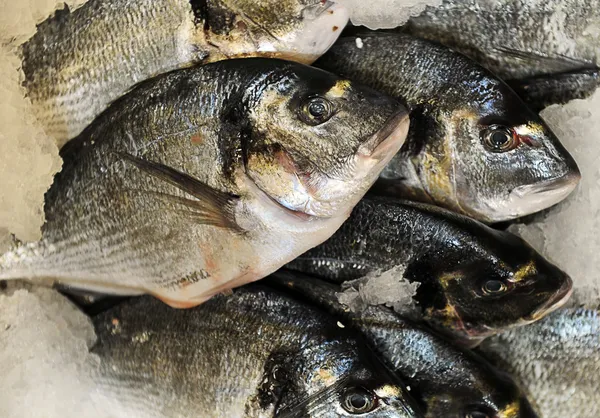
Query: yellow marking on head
388, 391
448, 314
524, 271
528, 129
339, 88
445, 278
511, 411
325, 375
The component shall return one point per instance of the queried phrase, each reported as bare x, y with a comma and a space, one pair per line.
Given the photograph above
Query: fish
80, 61
542, 91
206, 178
557, 360
473, 281
445, 380
515, 39
544, 66
257, 352
474, 146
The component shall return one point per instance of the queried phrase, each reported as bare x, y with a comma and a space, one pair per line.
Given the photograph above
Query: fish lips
544, 194
559, 299
386, 142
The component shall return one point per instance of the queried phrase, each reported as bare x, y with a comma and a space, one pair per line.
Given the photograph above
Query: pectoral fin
212, 206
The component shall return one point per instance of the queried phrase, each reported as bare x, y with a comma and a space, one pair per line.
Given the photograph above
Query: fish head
496, 281
295, 30
345, 381
316, 142
487, 394
496, 160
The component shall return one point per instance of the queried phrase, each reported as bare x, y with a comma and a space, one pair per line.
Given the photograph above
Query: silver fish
256, 353
207, 178
80, 61
557, 360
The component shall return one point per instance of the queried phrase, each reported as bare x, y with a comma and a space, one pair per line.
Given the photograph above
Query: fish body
474, 146
447, 381
557, 360
473, 281
516, 38
80, 61
210, 177
256, 353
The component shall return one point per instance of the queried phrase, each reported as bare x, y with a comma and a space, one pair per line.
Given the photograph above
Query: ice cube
385, 14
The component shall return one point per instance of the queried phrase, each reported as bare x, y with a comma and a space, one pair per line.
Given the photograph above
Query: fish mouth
388, 140
534, 197
557, 301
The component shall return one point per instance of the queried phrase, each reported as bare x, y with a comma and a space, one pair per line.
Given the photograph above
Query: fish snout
534, 197
558, 299
389, 139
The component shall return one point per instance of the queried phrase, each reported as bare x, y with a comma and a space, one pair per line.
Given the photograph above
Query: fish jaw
559, 299
531, 198
325, 22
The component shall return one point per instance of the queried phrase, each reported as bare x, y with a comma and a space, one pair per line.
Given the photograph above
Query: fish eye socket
499, 138
316, 110
494, 287
358, 401
479, 412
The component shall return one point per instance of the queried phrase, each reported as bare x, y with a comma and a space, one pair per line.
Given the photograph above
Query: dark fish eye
358, 401
479, 412
498, 138
494, 287
316, 110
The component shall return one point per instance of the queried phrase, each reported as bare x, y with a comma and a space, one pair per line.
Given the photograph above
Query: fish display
207, 178
557, 360
80, 61
474, 146
473, 281
256, 353
447, 381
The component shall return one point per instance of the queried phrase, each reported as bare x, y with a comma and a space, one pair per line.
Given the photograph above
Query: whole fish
473, 281
256, 353
80, 61
210, 177
557, 360
474, 147
449, 382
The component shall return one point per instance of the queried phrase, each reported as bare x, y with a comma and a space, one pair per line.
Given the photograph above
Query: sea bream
256, 353
206, 178
79, 61
473, 281
445, 380
557, 361
474, 147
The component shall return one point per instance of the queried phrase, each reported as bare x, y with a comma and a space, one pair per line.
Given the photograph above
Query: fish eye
499, 138
358, 401
479, 412
316, 110
494, 287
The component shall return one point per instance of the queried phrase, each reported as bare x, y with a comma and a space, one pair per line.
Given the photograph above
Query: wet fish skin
474, 281
557, 360
448, 381
254, 353
210, 177
80, 61
545, 90
512, 37
457, 107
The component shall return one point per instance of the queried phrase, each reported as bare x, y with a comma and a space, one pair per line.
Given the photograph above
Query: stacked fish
202, 153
